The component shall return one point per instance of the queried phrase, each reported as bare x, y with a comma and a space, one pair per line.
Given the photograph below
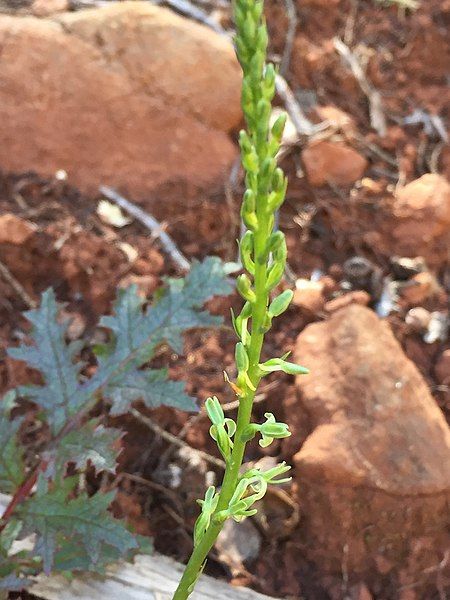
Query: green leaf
61, 395
136, 332
9, 535
83, 520
152, 387
12, 470
92, 443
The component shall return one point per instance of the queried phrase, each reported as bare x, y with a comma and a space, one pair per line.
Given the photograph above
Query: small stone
238, 543
403, 267
442, 368
308, 295
14, 230
420, 288
357, 297
146, 284
383, 564
339, 120
332, 162
422, 219
418, 319
361, 592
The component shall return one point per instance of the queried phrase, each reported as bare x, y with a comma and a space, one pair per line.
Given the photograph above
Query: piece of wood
149, 578
152, 577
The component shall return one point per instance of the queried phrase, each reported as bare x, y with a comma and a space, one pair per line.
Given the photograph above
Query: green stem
230, 480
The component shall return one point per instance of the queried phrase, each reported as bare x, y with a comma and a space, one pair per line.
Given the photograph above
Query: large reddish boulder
373, 475
130, 95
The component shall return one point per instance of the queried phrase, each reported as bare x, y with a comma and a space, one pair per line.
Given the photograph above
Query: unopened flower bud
243, 285
280, 303
241, 357
278, 127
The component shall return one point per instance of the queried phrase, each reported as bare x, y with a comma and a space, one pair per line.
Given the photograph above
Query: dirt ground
84, 259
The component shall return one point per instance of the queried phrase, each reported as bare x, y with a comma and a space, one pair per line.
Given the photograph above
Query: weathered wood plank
148, 578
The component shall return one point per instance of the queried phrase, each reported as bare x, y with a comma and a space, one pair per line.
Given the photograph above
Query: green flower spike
263, 254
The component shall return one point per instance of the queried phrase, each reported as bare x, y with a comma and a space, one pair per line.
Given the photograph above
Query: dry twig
187, 8
152, 224
377, 118
173, 439
300, 120
16, 286
290, 37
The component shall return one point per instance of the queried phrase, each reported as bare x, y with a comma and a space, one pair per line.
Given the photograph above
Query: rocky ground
146, 100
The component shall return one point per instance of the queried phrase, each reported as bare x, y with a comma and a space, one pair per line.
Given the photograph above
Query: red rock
332, 162
442, 368
338, 119
130, 95
357, 297
44, 8
361, 592
308, 295
146, 284
422, 219
373, 474
420, 288
14, 230
418, 319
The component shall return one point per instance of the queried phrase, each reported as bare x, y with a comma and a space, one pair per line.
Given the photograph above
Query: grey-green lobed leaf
92, 443
84, 520
11, 463
152, 387
61, 396
137, 331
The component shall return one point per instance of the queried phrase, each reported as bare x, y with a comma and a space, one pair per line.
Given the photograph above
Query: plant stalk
200, 553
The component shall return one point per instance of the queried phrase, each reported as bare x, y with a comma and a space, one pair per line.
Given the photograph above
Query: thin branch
17, 286
290, 36
152, 225
377, 118
173, 439
187, 8
301, 122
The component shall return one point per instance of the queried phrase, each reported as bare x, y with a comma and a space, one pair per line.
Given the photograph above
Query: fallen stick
187, 8
152, 225
301, 122
377, 118
173, 439
16, 286
152, 577
290, 37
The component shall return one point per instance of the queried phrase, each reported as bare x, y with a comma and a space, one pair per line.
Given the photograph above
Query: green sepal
275, 275
246, 251
241, 357
278, 364
243, 286
280, 304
